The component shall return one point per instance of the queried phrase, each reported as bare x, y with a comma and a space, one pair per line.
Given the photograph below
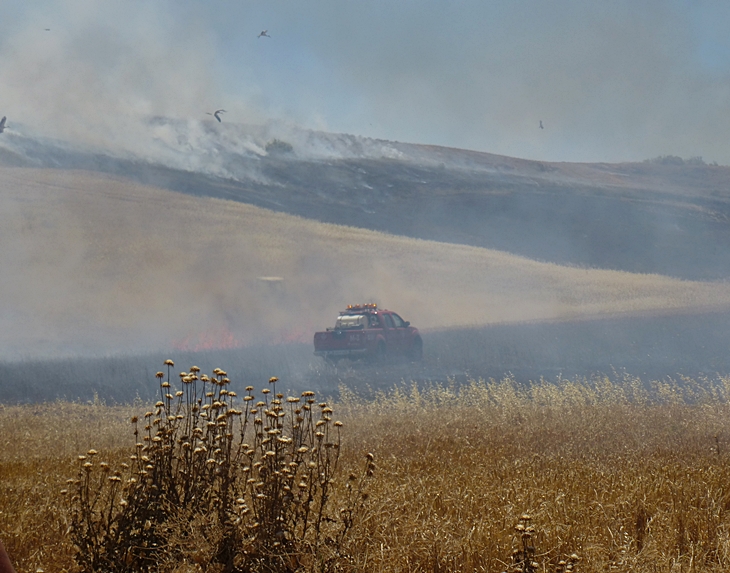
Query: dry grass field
627, 475
93, 263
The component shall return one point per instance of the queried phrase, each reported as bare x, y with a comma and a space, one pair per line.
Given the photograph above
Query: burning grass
603, 474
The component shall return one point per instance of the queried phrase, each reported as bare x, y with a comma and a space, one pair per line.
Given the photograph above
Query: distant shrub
245, 489
279, 147
675, 160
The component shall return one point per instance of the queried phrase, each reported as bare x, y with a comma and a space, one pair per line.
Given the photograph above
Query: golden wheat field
589, 475
98, 262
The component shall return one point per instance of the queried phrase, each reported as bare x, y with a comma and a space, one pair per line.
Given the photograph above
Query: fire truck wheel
416, 351
381, 352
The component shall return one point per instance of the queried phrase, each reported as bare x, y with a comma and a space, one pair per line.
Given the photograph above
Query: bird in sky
48, 29
541, 127
217, 114
2, 124
264, 33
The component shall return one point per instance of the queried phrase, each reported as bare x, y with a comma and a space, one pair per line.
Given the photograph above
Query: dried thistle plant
254, 478
524, 558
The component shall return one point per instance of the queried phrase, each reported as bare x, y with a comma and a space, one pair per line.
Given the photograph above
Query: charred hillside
648, 218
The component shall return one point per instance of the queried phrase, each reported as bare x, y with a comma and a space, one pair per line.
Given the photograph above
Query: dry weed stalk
208, 483
524, 558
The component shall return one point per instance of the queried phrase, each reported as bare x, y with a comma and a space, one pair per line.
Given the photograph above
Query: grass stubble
587, 475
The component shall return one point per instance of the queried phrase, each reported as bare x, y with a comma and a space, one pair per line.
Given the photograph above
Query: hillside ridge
671, 219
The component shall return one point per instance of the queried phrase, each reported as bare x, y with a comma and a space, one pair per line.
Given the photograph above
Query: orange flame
214, 338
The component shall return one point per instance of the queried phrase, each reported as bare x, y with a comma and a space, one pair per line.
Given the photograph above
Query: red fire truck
368, 332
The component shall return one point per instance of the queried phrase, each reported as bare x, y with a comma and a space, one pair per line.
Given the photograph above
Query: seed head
169, 362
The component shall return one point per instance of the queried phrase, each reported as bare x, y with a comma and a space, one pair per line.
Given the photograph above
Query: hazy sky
611, 81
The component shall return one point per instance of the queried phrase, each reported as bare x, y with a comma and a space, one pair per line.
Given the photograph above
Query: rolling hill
670, 217
194, 238
94, 263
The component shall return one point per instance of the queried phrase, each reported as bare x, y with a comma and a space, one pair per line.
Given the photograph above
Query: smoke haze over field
114, 260
96, 263
610, 81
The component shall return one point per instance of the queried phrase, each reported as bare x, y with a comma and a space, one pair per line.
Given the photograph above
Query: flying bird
541, 127
2, 124
47, 29
264, 33
217, 114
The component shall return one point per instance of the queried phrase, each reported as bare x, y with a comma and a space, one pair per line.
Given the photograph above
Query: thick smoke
101, 70
611, 82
